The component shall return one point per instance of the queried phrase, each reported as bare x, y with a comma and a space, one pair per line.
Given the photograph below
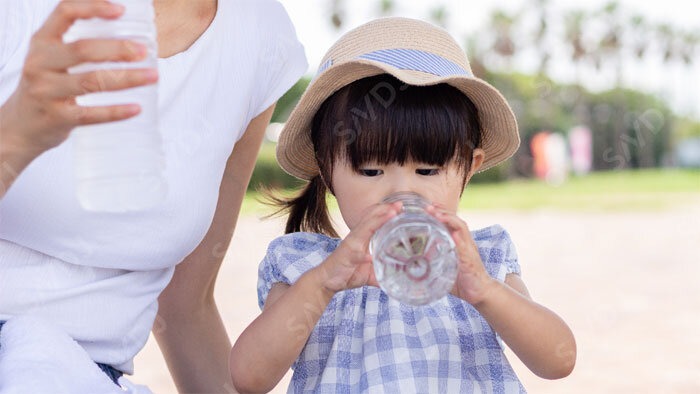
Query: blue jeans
112, 373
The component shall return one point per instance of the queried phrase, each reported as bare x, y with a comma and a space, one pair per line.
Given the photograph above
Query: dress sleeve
497, 251
282, 59
510, 261
288, 257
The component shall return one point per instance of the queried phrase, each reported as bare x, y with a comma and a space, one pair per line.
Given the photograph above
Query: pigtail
307, 211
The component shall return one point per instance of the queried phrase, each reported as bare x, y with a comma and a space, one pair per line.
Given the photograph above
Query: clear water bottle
415, 260
119, 166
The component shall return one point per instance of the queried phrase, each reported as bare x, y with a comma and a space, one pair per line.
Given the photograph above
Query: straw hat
415, 52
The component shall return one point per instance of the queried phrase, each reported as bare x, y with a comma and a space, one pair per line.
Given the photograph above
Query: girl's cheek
352, 211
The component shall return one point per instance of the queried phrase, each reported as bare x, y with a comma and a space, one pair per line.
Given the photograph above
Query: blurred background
602, 199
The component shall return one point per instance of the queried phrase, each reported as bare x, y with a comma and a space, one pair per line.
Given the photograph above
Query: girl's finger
437, 205
453, 222
460, 233
438, 208
68, 11
376, 217
438, 212
372, 279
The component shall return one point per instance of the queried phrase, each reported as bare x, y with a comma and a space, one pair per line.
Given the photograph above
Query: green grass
655, 189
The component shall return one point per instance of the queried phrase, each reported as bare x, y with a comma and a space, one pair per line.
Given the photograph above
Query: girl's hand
350, 265
42, 111
473, 282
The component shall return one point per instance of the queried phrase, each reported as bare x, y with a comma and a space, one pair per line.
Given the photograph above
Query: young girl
393, 108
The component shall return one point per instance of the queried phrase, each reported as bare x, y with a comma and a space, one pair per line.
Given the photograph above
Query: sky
677, 84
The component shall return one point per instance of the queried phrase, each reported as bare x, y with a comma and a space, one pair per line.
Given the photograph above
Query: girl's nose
400, 179
403, 187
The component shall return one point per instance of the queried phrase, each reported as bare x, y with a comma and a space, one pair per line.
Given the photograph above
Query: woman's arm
13, 158
192, 336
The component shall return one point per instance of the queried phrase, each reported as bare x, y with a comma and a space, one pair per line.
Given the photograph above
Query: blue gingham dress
368, 342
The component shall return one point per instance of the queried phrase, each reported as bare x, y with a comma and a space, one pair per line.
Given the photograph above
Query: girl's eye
371, 172
427, 171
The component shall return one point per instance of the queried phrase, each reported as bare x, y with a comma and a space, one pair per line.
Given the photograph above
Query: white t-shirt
98, 275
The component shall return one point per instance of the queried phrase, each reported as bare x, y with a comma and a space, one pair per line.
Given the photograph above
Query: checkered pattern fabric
368, 342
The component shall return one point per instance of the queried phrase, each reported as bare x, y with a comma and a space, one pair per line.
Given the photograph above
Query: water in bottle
415, 260
119, 166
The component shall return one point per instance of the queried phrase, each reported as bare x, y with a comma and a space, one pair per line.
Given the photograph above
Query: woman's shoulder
268, 16
275, 56
271, 25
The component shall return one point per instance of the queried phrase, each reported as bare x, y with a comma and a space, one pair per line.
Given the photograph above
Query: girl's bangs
380, 120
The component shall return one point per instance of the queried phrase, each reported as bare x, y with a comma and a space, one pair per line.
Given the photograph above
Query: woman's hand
350, 265
42, 111
473, 282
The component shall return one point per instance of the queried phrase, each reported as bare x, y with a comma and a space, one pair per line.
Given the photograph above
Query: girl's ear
478, 157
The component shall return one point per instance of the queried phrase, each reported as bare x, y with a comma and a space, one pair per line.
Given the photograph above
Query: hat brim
295, 152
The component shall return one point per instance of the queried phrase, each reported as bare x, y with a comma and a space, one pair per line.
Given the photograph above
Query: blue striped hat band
410, 59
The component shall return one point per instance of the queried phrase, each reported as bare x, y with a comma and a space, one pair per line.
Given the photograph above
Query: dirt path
626, 283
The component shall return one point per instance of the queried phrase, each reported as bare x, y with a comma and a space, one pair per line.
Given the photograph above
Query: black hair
381, 120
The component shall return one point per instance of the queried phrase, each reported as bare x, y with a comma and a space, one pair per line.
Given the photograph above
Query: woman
103, 277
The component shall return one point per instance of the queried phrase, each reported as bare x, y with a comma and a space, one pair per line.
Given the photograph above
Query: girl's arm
268, 347
540, 338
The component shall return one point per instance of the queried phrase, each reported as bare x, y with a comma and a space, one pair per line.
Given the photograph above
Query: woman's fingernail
116, 9
152, 75
139, 50
132, 109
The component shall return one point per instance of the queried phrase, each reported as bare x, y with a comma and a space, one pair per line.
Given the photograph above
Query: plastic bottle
415, 260
119, 166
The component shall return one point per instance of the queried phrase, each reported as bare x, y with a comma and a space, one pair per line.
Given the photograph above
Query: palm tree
640, 33
667, 41
689, 45
574, 21
386, 7
337, 13
439, 15
610, 47
640, 40
541, 33
501, 24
